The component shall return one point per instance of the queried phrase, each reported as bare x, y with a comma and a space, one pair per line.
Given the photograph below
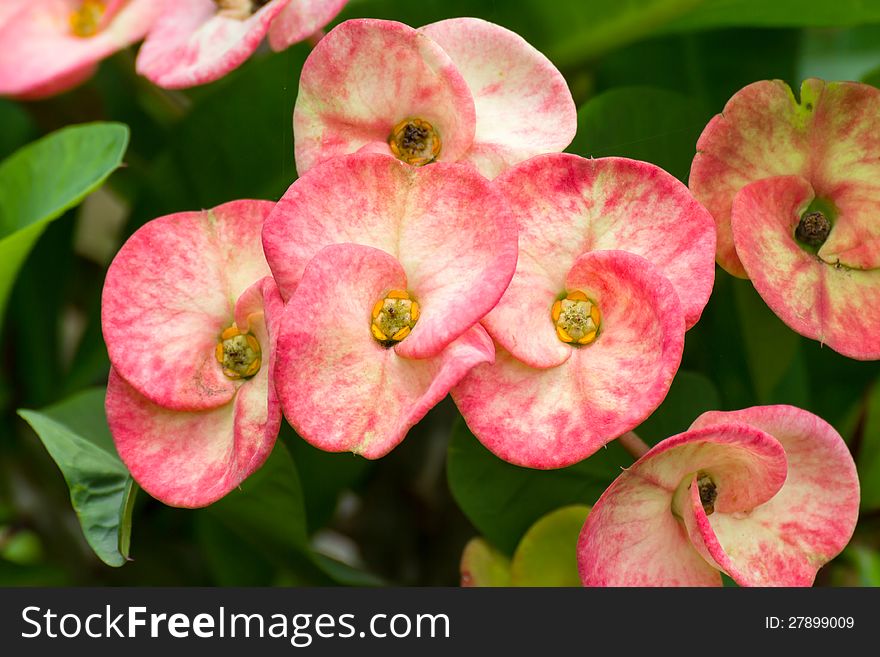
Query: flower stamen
577, 318
86, 21
813, 229
239, 9
415, 142
708, 492
238, 353
394, 317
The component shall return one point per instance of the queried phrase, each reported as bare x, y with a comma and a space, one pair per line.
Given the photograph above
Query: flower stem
633, 444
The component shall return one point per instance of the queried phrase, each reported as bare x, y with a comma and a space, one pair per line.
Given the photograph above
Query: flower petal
835, 305
300, 19
762, 132
449, 228
194, 43
553, 417
567, 205
168, 295
193, 458
339, 388
632, 536
40, 56
523, 105
784, 541
366, 76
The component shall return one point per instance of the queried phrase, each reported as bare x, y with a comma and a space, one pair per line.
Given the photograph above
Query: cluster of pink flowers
50, 46
437, 241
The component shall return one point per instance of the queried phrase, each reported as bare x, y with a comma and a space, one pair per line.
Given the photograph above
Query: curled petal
450, 229
194, 43
364, 78
821, 300
193, 458
300, 19
523, 105
633, 536
784, 541
340, 388
567, 205
553, 417
169, 294
40, 55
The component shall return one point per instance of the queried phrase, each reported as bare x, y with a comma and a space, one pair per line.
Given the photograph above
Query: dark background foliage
646, 75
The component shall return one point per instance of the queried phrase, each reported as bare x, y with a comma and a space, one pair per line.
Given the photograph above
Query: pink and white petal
300, 19
449, 228
763, 131
553, 417
834, 305
339, 388
194, 43
41, 56
10, 7
567, 205
631, 538
523, 104
521, 321
191, 459
170, 292
784, 541
366, 76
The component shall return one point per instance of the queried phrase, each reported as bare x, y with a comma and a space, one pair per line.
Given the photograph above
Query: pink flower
793, 189
615, 262
767, 495
189, 315
380, 324
458, 90
50, 46
199, 41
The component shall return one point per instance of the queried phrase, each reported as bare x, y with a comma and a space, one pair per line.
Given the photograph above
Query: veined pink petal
819, 299
632, 536
523, 104
339, 388
41, 56
761, 132
553, 417
567, 205
632, 539
300, 19
828, 137
168, 295
194, 42
368, 75
784, 541
450, 229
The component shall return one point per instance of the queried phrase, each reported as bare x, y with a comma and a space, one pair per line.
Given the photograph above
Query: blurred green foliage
646, 75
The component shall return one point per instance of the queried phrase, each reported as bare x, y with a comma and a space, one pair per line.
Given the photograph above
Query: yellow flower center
577, 318
394, 317
238, 353
86, 21
415, 142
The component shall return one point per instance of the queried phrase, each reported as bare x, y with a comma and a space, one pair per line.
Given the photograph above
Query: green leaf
773, 351
39, 182
267, 510
778, 13
642, 123
482, 565
504, 500
690, 395
76, 435
868, 457
547, 554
